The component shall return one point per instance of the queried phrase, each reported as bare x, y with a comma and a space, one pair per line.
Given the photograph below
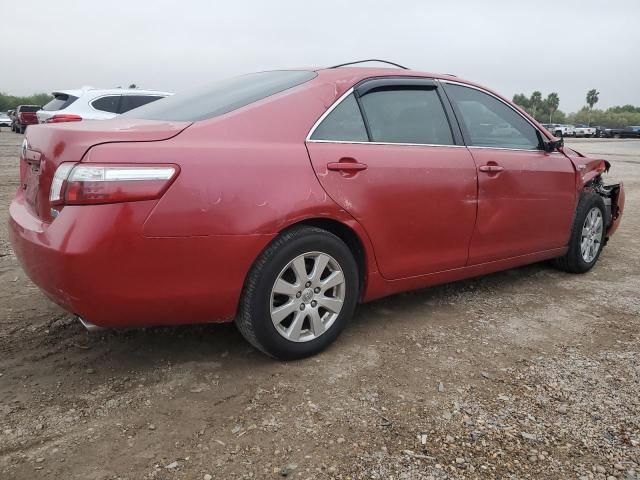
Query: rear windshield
29, 108
222, 97
60, 102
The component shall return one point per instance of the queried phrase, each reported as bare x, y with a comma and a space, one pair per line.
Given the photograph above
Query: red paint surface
424, 215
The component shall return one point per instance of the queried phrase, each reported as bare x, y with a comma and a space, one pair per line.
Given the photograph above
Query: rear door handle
490, 168
346, 166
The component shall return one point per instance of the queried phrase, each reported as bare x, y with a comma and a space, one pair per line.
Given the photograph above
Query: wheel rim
307, 296
592, 230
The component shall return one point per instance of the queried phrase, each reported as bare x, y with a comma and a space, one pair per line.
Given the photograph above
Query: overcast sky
511, 46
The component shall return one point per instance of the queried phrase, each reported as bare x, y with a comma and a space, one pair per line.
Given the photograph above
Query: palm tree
553, 101
534, 101
592, 99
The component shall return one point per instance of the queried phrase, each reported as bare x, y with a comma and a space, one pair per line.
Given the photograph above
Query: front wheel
587, 235
299, 294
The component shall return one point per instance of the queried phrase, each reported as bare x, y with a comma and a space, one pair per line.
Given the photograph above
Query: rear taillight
63, 117
78, 184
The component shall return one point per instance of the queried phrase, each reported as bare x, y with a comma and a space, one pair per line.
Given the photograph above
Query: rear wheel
300, 294
587, 235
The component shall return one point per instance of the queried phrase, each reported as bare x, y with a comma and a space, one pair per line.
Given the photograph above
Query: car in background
5, 120
584, 131
600, 131
613, 132
282, 199
90, 103
24, 116
559, 130
632, 131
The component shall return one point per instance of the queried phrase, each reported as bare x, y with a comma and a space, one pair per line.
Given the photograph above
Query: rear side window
344, 123
407, 116
60, 102
490, 122
129, 102
107, 104
222, 97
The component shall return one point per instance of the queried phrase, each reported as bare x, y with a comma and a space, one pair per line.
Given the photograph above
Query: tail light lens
78, 184
63, 117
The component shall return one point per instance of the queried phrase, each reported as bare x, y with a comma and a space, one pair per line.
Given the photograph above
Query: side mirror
553, 145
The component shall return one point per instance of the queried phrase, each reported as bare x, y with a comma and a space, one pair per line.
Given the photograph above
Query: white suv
90, 103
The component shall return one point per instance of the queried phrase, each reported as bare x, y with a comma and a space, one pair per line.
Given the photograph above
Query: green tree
8, 102
521, 100
553, 102
534, 102
592, 99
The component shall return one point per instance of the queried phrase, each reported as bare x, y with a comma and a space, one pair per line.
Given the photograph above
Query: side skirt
378, 287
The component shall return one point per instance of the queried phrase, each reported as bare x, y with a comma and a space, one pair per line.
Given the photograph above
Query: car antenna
370, 60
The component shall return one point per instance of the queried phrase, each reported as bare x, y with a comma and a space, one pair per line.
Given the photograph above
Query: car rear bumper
96, 263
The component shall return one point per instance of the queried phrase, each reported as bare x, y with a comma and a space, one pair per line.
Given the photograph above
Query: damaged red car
280, 200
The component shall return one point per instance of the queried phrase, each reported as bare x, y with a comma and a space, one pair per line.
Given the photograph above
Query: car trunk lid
47, 146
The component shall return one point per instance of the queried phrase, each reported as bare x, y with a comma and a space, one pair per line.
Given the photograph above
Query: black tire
573, 261
254, 317
23, 128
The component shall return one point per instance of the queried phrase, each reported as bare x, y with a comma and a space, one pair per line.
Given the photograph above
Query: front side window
490, 122
107, 104
407, 116
344, 123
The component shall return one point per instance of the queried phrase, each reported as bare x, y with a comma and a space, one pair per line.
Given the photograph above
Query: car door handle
490, 168
346, 166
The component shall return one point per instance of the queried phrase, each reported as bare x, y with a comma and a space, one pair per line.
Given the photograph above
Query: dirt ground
528, 373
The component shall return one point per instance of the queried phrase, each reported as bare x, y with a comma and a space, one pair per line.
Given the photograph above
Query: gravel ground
528, 373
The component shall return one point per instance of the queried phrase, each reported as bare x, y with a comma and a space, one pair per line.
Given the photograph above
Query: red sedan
282, 199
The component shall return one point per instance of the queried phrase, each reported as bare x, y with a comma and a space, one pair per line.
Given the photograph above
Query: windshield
221, 97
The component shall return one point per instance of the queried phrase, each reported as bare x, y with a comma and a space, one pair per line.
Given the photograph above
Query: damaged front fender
589, 178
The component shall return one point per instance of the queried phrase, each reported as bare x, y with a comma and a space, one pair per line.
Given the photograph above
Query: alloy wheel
307, 296
592, 231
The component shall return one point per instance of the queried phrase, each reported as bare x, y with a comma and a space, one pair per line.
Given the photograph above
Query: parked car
584, 131
613, 132
282, 199
632, 131
95, 104
24, 116
559, 130
600, 131
5, 120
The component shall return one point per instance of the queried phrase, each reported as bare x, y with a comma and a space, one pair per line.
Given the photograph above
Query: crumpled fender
586, 168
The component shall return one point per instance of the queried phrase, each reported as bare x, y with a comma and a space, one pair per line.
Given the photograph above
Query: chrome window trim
338, 102
508, 105
355, 142
511, 149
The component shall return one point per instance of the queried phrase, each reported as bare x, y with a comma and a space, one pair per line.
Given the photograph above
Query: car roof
352, 75
110, 91
346, 73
